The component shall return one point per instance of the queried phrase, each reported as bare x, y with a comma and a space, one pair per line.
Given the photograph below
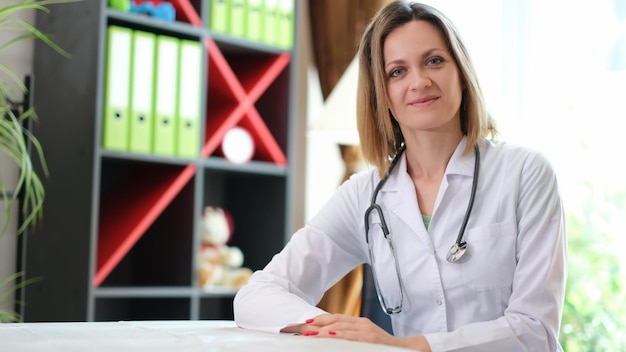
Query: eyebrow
424, 54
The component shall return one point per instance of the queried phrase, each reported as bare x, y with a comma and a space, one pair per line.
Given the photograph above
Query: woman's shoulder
349, 200
511, 156
366, 177
505, 149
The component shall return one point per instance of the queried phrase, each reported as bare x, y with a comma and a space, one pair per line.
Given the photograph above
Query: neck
427, 158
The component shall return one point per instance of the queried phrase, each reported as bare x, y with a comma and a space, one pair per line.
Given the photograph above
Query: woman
440, 180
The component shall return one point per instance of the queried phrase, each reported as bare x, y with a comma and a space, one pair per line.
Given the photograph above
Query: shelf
186, 15
142, 308
257, 205
179, 29
129, 210
106, 154
246, 83
185, 11
222, 115
137, 292
243, 45
252, 167
211, 162
131, 220
218, 292
163, 291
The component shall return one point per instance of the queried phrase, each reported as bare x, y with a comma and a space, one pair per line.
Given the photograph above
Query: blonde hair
380, 134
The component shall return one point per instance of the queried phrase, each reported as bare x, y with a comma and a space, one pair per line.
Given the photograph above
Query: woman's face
423, 83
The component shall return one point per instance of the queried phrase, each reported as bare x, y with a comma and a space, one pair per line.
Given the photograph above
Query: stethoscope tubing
459, 246
459, 238
456, 251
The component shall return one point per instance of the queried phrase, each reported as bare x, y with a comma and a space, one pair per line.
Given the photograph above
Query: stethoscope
454, 254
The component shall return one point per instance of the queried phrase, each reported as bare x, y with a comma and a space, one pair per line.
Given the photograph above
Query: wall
18, 57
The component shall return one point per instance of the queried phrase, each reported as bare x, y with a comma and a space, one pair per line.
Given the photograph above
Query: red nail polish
310, 333
332, 333
309, 321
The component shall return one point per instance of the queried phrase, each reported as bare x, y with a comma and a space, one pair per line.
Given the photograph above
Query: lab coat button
439, 302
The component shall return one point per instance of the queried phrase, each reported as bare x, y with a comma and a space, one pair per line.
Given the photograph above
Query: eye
396, 72
434, 61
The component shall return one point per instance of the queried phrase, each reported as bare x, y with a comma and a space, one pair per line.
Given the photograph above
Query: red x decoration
245, 91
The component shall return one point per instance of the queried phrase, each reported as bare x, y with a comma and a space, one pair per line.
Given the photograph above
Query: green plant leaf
19, 143
7, 316
15, 140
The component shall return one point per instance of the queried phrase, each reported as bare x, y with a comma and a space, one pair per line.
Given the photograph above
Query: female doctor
465, 234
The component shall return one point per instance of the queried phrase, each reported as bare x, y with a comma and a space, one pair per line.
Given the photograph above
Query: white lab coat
507, 292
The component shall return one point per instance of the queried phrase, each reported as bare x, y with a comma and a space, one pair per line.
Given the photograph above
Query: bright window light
554, 75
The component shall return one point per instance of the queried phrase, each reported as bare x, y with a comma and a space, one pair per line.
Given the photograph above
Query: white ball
238, 146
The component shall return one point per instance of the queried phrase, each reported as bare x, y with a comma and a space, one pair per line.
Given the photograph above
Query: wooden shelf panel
256, 72
220, 308
163, 255
226, 76
187, 12
142, 308
257, 206
128, 211
266, 147
163, 291
217, 125
177, 29
156, 291
245, 88
261, 168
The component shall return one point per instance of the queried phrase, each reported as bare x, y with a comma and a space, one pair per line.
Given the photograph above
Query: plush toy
219, 263
160, 9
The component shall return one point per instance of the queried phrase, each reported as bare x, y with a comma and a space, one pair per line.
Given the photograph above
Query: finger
327, 319
352, 335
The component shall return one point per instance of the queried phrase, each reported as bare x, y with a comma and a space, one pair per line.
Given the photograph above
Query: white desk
161, 336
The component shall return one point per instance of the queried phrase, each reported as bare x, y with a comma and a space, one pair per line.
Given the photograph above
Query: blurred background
554, 76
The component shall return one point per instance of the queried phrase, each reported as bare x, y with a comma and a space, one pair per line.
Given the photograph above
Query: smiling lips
422, 102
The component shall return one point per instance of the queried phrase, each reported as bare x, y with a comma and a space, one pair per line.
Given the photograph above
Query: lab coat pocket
490, 262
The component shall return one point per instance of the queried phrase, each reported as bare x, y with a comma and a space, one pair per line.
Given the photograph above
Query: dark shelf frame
64, 251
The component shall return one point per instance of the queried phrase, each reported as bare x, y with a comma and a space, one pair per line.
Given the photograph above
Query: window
554, 74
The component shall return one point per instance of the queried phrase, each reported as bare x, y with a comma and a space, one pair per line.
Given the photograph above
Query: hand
357, 329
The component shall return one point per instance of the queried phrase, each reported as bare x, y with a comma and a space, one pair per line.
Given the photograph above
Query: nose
419, 80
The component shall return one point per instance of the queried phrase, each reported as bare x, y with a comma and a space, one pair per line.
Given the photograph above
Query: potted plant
17, 142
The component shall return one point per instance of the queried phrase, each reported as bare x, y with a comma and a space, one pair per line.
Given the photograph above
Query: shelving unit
121, 230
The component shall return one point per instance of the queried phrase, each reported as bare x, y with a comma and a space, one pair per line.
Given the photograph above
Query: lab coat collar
399, 186
459, 164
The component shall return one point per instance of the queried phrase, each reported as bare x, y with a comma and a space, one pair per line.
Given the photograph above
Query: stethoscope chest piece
456, 252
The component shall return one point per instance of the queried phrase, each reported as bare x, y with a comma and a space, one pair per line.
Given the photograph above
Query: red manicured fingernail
310, 333
332, 333
309, 321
